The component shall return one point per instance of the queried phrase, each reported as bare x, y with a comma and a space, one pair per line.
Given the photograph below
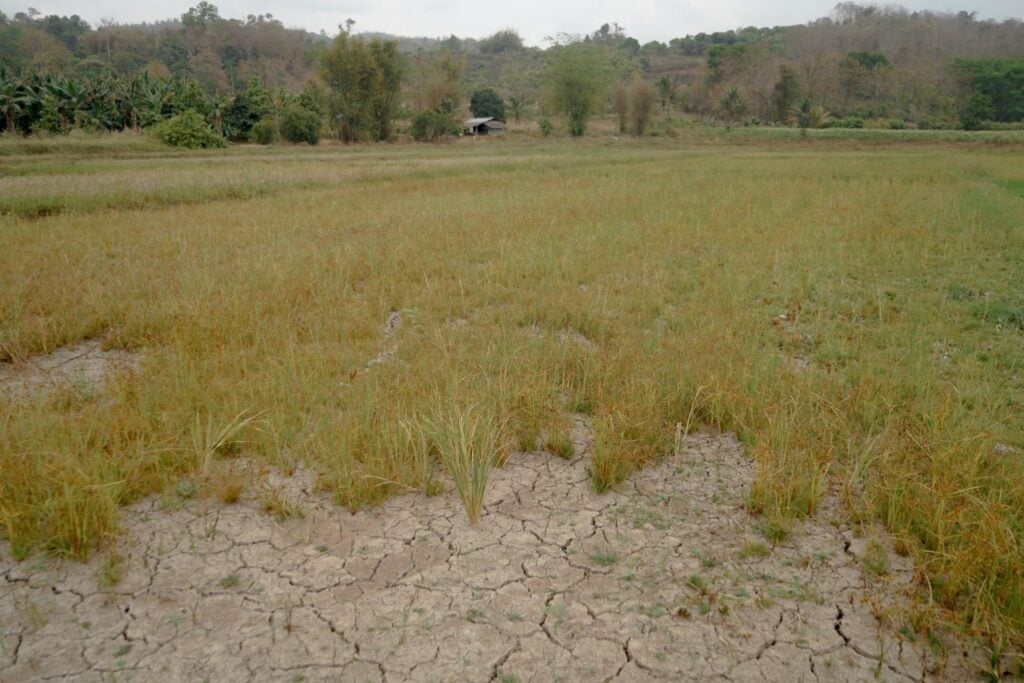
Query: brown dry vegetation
855, 316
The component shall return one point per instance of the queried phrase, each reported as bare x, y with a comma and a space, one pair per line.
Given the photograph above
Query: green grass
648, 284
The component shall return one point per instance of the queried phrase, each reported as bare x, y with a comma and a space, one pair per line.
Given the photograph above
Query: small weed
876, 558
561, 445
185, 489
642, 517
1003, 314
774, 531
556, 610
229, 581
111, 571
509, 678
908, 634
655, 611
697, 583
961, 294
322, 549
752, 550
604, 559
476, 616
279, 506
123, 650
706, 561
227, 486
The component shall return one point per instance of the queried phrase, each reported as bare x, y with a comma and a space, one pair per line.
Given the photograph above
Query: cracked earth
666, 578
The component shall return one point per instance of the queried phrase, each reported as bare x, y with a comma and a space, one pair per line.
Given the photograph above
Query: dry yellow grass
854, 315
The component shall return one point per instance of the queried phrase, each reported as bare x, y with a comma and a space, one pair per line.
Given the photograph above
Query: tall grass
849, 314
468, 442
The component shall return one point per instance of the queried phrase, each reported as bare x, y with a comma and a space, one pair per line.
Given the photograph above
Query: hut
483, 126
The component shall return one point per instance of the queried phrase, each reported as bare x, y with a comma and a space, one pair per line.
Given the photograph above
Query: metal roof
493, 123
477, 122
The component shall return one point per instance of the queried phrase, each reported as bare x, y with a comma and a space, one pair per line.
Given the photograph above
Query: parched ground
667, 578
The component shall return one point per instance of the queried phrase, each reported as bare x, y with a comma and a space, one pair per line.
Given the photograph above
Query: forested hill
861, 62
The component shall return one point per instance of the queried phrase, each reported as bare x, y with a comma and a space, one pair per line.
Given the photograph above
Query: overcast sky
534, 19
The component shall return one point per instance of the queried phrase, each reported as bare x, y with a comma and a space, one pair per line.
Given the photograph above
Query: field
398, 318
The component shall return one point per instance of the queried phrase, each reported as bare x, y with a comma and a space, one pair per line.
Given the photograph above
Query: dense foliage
300, 125
486, 102
363, 80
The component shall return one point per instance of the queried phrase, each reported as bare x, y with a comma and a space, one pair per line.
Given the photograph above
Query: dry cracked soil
666, 578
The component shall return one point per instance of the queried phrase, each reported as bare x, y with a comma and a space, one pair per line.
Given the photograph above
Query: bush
264, 132
187, 129
300, 125
850, 122
545, 126
938, 122
429, 126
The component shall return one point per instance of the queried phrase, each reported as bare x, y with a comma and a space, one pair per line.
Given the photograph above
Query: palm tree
667, 92
515, 107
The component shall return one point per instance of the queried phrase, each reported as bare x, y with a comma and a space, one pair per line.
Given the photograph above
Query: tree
200, 15
244, 110
642, 97
620, 105
667, 92
485, 102
784, 95
577, 79
809, 115
506, 40
363, 82
516, 104
994, 89
733, 106
441, 83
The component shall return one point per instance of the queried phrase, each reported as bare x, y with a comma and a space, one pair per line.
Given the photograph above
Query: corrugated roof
495, 124
476, 122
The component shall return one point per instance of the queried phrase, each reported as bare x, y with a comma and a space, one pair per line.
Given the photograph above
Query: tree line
257, 80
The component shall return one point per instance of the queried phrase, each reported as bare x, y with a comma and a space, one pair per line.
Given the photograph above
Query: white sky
534, 19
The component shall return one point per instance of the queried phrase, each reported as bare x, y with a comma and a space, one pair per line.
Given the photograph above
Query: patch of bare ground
666, 578
84, 365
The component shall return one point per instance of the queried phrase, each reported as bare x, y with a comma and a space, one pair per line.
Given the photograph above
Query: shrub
300, 125
850, 122
264, 132
545, 126
428, 126
187, 129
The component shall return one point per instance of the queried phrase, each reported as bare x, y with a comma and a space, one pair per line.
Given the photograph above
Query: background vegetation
862, 67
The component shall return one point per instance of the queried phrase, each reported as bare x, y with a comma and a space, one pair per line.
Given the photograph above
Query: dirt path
666, 579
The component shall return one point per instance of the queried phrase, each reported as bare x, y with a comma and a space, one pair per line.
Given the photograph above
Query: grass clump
111, 571
276, 503
876, 558
469, 443
755, 550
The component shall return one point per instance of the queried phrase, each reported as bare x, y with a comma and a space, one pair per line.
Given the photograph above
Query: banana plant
14, 99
